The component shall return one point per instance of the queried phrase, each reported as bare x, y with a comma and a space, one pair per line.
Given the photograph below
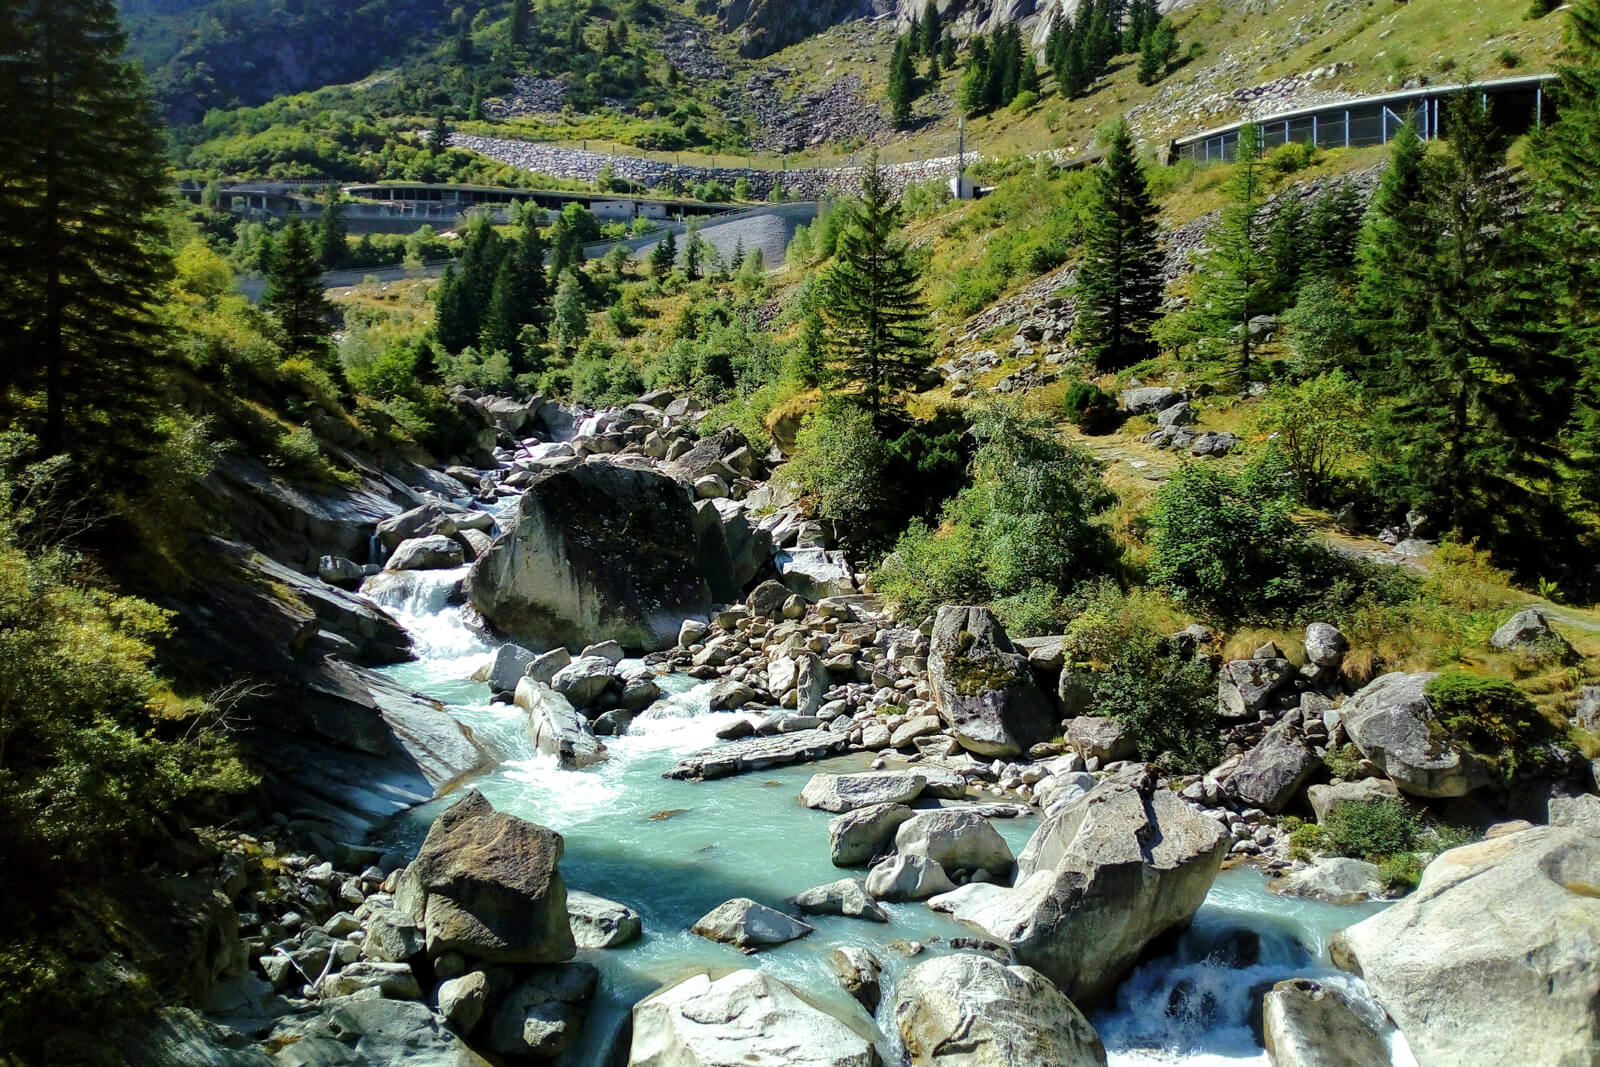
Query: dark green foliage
1331, 235
1119, 282
1090, 408
872, 302
664, 256
973, 94
1234, 276
932, 30
1372, 829
1079, 50
1493, 718
1285, 248
1168, 701
332, 232
295, 295
82, 242
521, 22
902, 82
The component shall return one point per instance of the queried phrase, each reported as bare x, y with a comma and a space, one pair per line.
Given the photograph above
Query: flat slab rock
759, 754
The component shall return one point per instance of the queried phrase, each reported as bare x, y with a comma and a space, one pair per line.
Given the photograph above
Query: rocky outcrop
1494, 951
1392, 722
1098, 882
600, 551
970, 1011
1307, 1023
746, 1017
983, 688
767, 26
486, 884
1529, 634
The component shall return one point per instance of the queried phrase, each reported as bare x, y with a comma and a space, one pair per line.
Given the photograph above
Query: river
673, 850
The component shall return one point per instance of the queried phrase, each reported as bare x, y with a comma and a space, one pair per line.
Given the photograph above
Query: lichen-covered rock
1393, 723
1493, 957
486, 884
600, 551
983, 688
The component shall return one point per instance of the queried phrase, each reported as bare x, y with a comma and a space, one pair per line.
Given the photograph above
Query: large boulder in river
1307, 1023
1492, 959
746, 1017
1393, 723
970, 1011
486, 884
956, 841
597, 552
557, 728
749, 926
845, 792
983, 688
1099, 881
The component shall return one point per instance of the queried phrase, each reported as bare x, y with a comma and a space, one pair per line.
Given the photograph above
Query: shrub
1401, 872
1493, 718
1090, 408
1023, 101
1319, 425
1322, 328
1291, 156
1372, 829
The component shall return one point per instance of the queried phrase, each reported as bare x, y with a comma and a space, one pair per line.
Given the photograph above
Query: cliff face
765, 26
966, 18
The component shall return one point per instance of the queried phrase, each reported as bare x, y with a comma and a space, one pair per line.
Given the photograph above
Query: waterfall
421, 602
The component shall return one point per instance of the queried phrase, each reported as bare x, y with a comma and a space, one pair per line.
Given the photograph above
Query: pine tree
1142, 17
1155, 51
454, 325
1028, 81
83, 254
913, 37
1233, 272
521, 22
972, 97
694, 250
934, 72
902, 83
738, 255
500, 326
333, 247
1482, 389
1009, 50
571, 318
1397, 232
664, 256
1119, 283
932, 30
947, 52
439, 139
295, 295
1331, 234
1284, 238
871, 300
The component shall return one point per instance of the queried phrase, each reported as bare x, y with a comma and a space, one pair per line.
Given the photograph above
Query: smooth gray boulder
860, 834
811, 683
508, 666
1392, 722
462, 1000
601, 923
1245, 686
1324, 798
1336, 880
967, 1010
545, 666
1308, 1023
543, 1014
1101, 738
956, 841
556, 727
749, 926
1325, 645
983, 688
846, 792
1097, 882
1494, 954
359, 1032
847, 897
584, 679
1529, 633
815, 573
746, 1017
394, 980
598, 552
426, 554
1270, 774
486, 884
1149, 399
903, 878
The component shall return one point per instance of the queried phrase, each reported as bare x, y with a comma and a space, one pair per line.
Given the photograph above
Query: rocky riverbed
715, 804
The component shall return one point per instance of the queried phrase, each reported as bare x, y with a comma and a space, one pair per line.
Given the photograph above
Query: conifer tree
1233, 273
83, 258
439, 139
332, 232
295, 295
871, 300
947, 52
454, 325
1481, 390
1397, 232
1332, 233
694, 250
934, 71
1119, 280
932, 30
664, 256
571, 318
1028, 81
1284, 238
521, 22
902, 82
1155, 51
972, 97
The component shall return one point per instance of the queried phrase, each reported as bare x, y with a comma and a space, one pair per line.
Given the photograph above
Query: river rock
859, 972
983, 688
543, 1014
1101, 738
1270, 774
393, 980
1494, 950
759, 754
903, 878
1391, 721
597, 552
847, 896
462, 1000
815, 573
1098, 881
729, 695
1335, 880
768, 598
811, 683
556, 727
396, 1033
601, 923
506, 668
425, 554
583, 680
855, 837
545, 666
746, 1017
967, 1010
392, 936
1245, 686
956, 841
749, 926
1324, 798
846, 792
913, 728
1149, 399
486, 884
1307, 1023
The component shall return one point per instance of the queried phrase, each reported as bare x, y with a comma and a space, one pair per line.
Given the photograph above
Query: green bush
1493, 718
1372, 829
1401, 872
1090, 408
